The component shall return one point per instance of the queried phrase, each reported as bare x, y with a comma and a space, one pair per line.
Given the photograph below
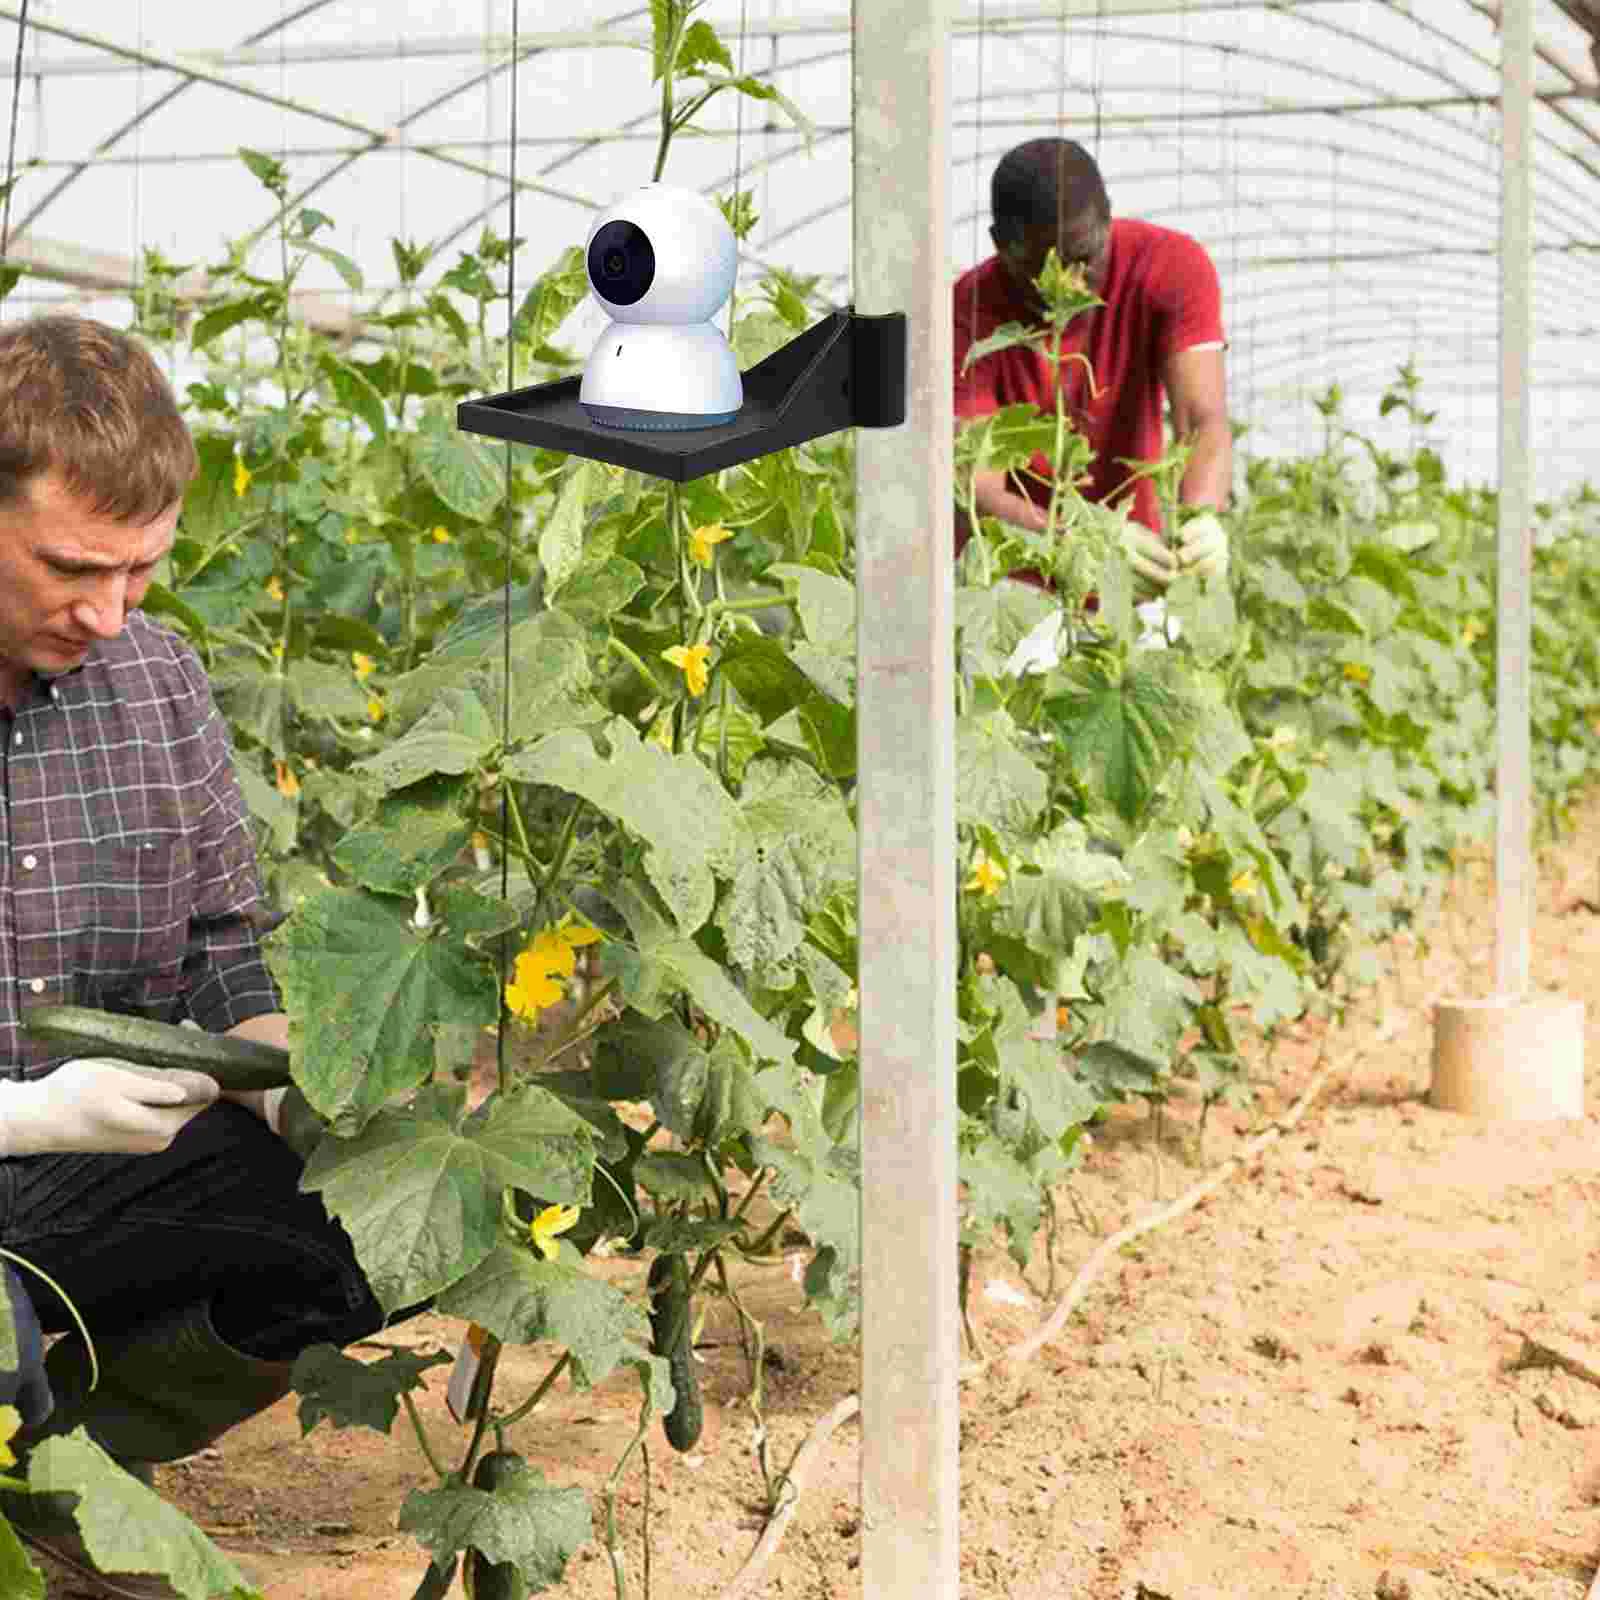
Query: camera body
661, 262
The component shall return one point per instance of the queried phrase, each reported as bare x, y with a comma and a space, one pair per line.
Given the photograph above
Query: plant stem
540, 885
613, 1546
571, 1034
545, 1385
756, 603
615, 644
674, 33
423, 1440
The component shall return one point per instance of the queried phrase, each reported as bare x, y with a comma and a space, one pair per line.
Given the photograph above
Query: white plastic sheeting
1338, 157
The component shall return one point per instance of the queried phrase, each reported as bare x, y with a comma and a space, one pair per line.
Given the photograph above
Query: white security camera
661, 261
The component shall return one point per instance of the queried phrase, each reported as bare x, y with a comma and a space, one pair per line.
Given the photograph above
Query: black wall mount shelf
846, 371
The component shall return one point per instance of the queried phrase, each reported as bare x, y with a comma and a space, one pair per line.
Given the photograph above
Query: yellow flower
1356, 673
544, 965
1473, 631
573, 934
274, 587
987, 876
550, 1222
365, 666
533, 989
1243, 882
288, 784
441, 536
241, 477
277, 651
694, 662
702, 539
10, 1421
375, 708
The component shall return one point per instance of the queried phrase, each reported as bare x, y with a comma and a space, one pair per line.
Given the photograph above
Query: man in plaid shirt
170, 1214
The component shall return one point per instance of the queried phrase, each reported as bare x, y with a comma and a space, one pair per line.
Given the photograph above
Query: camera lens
622, 263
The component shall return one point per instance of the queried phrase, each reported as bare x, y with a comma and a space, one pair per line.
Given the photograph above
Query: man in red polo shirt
1158, 333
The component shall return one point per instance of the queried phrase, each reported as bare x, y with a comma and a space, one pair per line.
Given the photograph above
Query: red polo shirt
1161, 296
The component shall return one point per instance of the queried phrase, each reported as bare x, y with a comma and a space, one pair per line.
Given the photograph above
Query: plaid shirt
128, 876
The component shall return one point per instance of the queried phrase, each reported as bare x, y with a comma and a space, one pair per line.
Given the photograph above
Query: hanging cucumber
494, 1580
436, 1582
233, 1063
669, 1313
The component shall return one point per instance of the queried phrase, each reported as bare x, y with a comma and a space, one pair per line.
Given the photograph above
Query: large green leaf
129, 1528
993, 621
458, 468
561, 541
1147, 1005
523, 1299
19, 1578
1030, 1069
557, 292
413, 837
320, 689
710, 1096
674, 803
1121, 737
997, 783
824, 1190
595, 595
773, 687
419, 1189
827, 605
452, 737
1049, 906
1000, 1192
675, 1177
356, 1394
366, 988
666, 964
802, 845
550, 678
525, 1521
355, 392
255, 701
277, 812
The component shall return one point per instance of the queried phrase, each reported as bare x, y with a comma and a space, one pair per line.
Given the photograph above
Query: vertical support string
505, 620
11, 143
137, 202
977, 166
738, 167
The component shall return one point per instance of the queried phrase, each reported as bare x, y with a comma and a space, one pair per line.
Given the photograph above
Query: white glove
1040, 648
1155, 626
1204, 550
1148, 555
96, 1104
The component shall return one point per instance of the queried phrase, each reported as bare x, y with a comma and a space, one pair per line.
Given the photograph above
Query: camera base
632, 417
846, 371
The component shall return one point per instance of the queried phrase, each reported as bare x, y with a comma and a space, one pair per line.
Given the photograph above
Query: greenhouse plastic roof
1339, 158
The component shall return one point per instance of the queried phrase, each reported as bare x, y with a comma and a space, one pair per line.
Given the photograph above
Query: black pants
217, 1216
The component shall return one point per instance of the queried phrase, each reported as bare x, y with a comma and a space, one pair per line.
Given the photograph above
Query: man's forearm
271, 1027
994, 497
1209, 478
